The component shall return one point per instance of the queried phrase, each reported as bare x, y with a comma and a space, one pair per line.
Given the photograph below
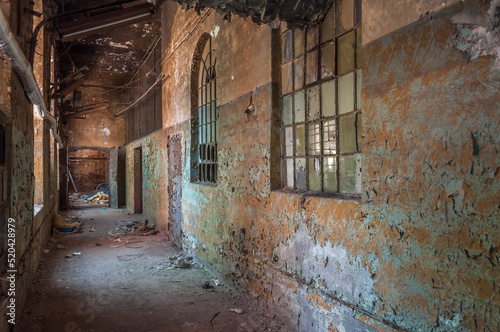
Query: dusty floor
130, 284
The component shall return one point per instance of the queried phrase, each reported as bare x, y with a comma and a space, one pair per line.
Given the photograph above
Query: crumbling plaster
417, 252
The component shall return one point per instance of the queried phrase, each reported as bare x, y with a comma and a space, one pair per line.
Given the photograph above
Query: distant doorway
138, 180
175, 189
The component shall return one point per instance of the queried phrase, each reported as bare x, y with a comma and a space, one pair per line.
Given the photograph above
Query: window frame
290, 57
204, 122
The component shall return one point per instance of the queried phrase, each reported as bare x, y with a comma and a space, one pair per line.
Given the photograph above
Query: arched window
204, 124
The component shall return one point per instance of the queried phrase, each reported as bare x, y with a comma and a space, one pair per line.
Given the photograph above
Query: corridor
128, 283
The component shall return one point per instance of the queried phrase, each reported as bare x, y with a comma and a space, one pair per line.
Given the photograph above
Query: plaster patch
215, 31
105, 131
331, 265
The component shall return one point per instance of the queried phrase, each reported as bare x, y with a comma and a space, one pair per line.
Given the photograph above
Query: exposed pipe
13, 53
141, 97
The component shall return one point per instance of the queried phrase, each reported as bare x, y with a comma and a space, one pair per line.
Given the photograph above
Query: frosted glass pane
289, 173
345, 53
328, 26
214, 132
299, 42
287, 110
328, 98
313, 103
314, 173
314, 135
358, 130
346, 93
347, 133
287, 78
300, 172
345, 16
214, 110
209, 113
330, 174
289, 141
327, 61
300, 140
298, 67
312, 37
329, 137
299, 107
312, 67
350, 174
359, 48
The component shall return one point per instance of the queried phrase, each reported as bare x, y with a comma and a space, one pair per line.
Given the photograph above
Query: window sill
319, 194
204, 184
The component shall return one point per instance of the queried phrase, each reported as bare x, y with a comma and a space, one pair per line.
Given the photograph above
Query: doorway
175, 189
138, 180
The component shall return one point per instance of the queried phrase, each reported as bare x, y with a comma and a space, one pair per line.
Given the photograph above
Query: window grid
206, 124
296, 47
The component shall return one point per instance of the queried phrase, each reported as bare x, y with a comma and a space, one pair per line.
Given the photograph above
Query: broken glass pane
314, 173
300, 140
287, 110
312, 67
350, 174
300, 172
313, 103
327, 61
328, 26
345, 53
345, 16
314, 133
287, 46
299, 107
289, 141
289, 173
347, 133
299, 42
330, 174
298, 67
329, 137
346, 93
312, 37
328, 98
287, 78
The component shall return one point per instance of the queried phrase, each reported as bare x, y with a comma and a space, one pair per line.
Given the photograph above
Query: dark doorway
121, 174
87, 169
138, 180
175, 189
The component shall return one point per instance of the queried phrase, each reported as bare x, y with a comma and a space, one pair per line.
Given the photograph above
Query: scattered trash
238, 311
139, 228
60, 246
216, 282
180, 262
92, 229
46, 251
206, 285
98, 244
60, 225
114, 235
77, 253
100, 198
115, 246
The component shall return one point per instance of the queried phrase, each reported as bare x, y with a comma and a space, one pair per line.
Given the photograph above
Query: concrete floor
130, 285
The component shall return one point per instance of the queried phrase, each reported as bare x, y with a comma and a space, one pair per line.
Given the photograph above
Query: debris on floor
237, 311
61, 226
139, 228
178, 261
100, 198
